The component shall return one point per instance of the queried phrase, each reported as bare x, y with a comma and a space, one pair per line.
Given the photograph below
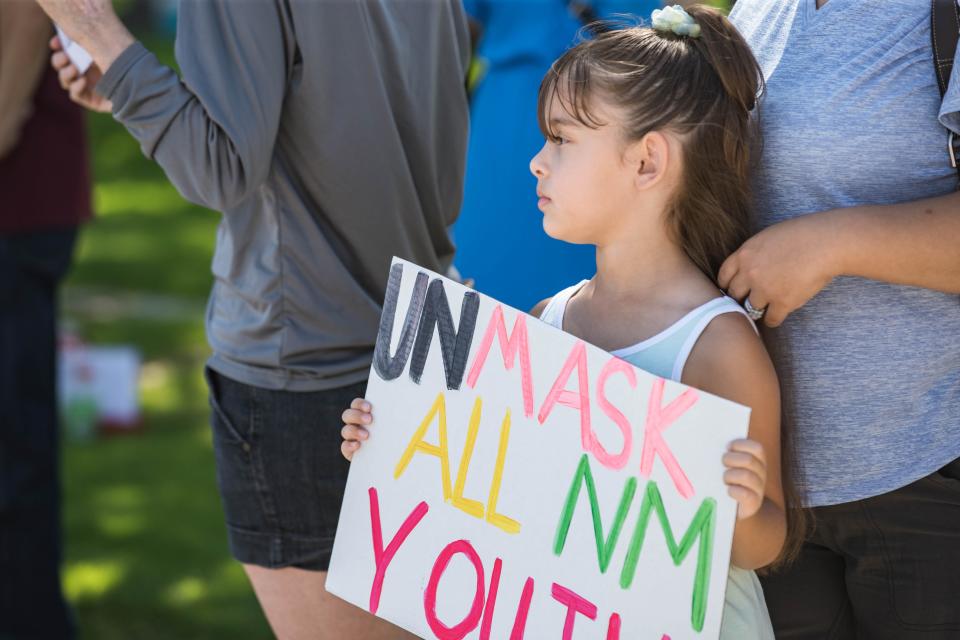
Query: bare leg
298, 607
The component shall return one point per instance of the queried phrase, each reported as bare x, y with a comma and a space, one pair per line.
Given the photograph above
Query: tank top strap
698, 324
552, 314
666, 353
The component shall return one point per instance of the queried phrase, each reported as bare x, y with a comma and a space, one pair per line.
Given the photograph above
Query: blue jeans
32, 266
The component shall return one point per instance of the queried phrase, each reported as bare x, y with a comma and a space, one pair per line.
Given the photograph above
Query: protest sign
520, 483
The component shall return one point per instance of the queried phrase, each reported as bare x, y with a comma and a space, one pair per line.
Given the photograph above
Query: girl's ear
648, 158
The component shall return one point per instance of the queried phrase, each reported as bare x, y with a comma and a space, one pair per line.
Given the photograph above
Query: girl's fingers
361, 404
356, 416
748, 504
746, 445
744, 478
55, 43
348, 449
739, 493
740, 460
745, 475
352, 432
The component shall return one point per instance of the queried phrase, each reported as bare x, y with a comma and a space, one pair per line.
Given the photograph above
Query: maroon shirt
45, 179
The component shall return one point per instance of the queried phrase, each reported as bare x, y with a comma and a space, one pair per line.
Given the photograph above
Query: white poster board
521, 483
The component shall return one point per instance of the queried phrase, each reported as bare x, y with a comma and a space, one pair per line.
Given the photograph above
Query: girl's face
584, 183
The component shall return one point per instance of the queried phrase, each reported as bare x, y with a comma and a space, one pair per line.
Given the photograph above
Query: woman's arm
24, 31
212, 132
729, 361
914, 243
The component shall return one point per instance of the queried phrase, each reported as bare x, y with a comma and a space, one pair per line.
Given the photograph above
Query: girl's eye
558, 140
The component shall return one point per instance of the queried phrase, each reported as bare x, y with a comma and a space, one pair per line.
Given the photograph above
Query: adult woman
858, 266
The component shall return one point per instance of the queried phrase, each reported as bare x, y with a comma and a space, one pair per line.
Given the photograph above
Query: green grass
146, 549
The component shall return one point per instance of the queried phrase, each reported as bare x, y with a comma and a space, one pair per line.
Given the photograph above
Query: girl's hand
746, 475
355, 421
783, 266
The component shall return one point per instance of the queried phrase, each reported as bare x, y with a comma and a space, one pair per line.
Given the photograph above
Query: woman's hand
356, 419
782, 267
746, 476
81, 87
94, 25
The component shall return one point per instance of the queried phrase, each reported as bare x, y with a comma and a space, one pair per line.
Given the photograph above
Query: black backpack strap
944, 33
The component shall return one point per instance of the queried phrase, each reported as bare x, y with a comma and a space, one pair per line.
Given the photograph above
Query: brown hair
704, 89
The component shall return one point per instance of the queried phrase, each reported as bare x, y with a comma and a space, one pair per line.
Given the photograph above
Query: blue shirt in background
499, 235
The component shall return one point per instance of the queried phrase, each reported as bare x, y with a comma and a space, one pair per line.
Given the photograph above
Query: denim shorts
279, 469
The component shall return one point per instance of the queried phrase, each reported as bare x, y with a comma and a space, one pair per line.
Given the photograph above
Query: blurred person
45, 186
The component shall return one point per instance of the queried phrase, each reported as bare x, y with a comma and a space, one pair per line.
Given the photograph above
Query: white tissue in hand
77, 54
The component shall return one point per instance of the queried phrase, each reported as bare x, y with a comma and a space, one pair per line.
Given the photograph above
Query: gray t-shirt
332, 136
870, 371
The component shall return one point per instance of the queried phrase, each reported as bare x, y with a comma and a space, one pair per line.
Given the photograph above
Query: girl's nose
537, 166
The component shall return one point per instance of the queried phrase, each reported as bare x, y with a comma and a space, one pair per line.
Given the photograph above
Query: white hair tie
676, 20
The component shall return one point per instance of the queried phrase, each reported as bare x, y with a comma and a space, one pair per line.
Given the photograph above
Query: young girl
648, 138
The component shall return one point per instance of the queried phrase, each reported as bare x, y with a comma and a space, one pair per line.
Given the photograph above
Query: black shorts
279, 469
883, 568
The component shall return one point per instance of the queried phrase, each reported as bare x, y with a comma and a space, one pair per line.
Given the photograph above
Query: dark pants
31, 602
887, 567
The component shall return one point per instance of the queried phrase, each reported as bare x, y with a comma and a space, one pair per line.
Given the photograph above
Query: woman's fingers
66, 75
78, 89
738, 288
728, 270
776, 314
59, 60
757, 299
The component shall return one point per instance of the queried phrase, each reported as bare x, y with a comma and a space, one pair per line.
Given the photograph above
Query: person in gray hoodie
331, 136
